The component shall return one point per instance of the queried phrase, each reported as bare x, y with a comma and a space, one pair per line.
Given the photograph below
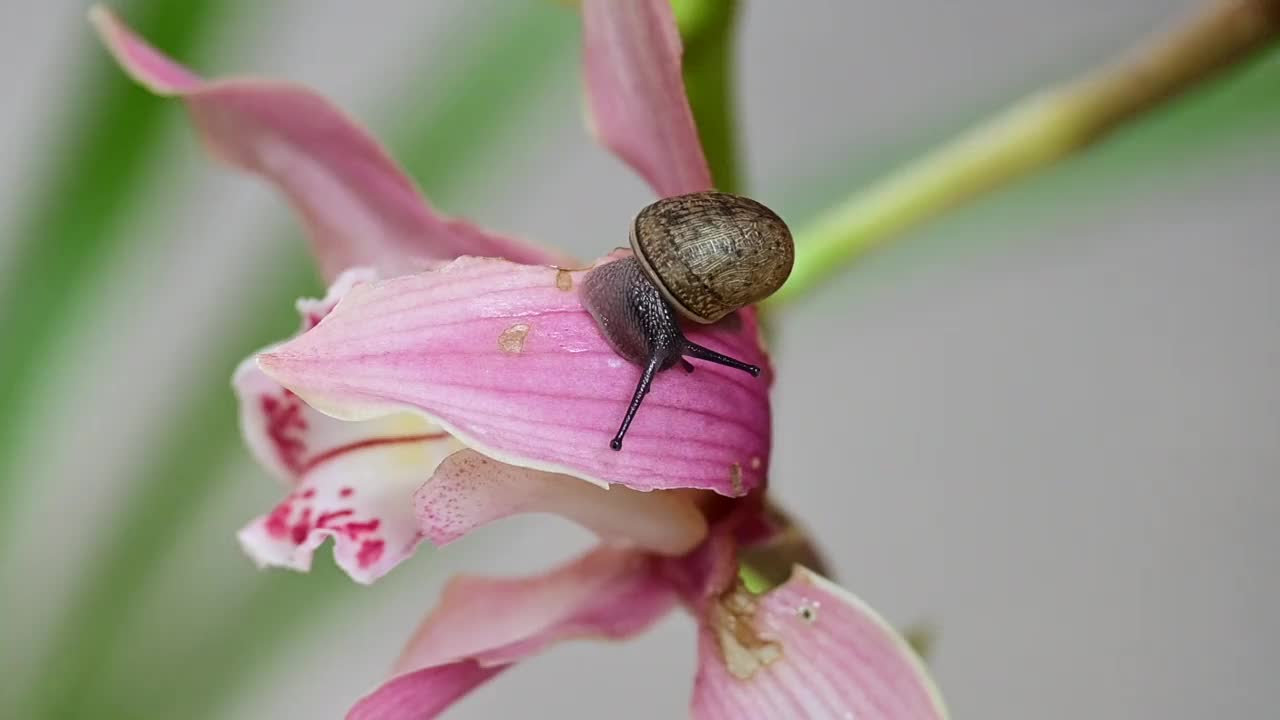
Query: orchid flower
451, 377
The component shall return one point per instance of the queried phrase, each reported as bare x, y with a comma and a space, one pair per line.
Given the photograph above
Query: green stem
755, 581
1033, 134
707, 28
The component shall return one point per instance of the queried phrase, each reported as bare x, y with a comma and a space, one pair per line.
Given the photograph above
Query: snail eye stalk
654, 365
642, 389
696, 350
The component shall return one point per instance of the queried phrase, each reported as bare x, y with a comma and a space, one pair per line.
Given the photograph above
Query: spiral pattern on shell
710, 253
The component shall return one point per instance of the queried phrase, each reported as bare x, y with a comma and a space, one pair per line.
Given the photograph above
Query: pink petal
807, 649
353, 482
424, 694
483, 623
469, 490
504, 357
359, 206
636, 93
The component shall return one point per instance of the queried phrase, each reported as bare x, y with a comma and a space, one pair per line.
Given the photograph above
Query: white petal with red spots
361, 496
283, 432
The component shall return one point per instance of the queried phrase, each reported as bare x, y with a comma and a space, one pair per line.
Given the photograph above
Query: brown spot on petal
564, 280
731, 617
512, 339
735, 480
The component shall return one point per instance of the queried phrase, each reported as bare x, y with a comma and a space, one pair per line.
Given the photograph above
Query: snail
701, 256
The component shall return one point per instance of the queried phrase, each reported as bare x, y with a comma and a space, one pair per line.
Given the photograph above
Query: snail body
699, 256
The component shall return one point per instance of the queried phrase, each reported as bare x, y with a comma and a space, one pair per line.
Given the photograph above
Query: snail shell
710, 253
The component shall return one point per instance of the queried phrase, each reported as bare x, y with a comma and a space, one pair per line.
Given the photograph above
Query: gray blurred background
1047, 424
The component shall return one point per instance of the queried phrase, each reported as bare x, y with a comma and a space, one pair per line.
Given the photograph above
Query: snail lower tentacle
643, 328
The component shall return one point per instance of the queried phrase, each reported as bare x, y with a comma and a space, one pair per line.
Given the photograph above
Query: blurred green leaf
500, 62
92, 183
71, 221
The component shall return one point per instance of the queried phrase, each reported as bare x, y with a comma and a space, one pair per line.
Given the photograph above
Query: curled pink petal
148, 66
631, 53
504, 357
469, 490
487, 624
807, 649
359, 206
607, 592
424, 694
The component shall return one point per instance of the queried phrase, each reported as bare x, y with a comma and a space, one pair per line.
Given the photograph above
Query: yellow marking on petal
743, 650
512, 339
564, 279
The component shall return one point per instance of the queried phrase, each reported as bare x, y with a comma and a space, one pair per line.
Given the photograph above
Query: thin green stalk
1181, 146
481, 106
708, 31
1033, 134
